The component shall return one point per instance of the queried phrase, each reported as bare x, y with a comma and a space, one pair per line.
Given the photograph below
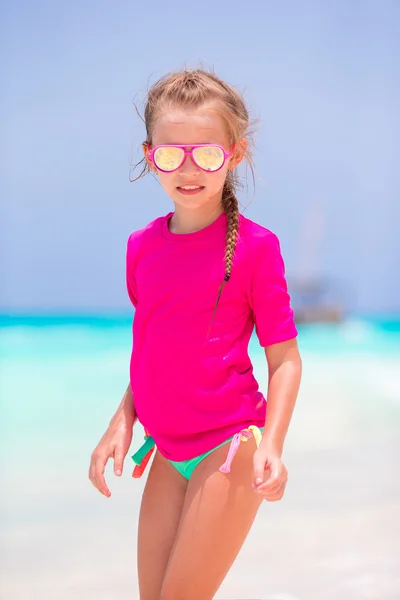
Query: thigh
217, 515
159, 516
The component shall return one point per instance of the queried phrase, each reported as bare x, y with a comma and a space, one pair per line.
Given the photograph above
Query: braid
231, 208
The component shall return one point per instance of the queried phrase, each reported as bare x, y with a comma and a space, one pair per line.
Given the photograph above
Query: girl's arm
284, 370
126, 410
114, 444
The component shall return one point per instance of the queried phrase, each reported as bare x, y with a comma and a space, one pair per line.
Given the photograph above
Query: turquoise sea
334, 536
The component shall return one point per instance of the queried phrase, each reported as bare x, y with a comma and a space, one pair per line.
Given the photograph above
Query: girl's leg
160, 512
217, 515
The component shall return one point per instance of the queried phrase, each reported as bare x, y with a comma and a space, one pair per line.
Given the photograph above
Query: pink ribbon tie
244, 435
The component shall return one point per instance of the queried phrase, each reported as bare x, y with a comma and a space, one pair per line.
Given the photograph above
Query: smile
190, 189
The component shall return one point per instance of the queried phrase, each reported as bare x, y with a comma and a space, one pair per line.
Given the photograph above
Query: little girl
200, 278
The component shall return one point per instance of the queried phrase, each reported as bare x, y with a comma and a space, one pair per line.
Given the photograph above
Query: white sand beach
334, 536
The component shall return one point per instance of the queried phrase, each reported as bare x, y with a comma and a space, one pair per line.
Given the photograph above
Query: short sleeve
130, 270
269, 297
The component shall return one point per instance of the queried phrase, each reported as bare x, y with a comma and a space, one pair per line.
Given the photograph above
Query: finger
98, 479
275, 495
264, 489
261, 469
277, 475
258, 469
276, 469
118, 462
272, 483
268, 490
273, 499
269, 484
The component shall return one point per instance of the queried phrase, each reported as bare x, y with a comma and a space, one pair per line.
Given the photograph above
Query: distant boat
315, 298
314, 301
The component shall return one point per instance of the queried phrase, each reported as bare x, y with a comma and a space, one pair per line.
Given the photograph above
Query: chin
190, 201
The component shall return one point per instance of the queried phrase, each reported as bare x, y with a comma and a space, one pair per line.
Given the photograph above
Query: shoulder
258, 239
139, 238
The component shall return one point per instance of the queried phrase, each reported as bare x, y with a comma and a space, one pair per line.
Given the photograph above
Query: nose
189, 167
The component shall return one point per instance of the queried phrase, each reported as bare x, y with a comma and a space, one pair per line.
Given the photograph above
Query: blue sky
322, 77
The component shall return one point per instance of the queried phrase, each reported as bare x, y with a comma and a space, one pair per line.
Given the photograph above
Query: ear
146, 150
238, 154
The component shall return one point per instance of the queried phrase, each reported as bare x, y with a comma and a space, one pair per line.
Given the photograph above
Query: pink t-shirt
192, 392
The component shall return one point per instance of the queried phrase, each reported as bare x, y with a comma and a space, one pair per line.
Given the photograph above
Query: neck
186, 220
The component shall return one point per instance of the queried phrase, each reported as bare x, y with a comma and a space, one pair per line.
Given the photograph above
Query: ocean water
334, 536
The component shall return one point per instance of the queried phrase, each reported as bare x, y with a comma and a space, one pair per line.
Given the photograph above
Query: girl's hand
268, 461
115, 444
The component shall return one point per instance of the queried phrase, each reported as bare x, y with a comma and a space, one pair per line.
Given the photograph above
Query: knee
170, 594
182, 593
173, 592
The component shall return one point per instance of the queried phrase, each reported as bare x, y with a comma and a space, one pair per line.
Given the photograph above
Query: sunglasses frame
186, 152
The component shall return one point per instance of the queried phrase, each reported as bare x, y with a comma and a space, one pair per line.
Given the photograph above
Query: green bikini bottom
186, 467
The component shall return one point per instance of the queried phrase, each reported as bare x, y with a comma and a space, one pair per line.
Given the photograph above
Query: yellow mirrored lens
168, 159
209, 158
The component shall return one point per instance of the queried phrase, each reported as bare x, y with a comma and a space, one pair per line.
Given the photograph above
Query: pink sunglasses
208, 157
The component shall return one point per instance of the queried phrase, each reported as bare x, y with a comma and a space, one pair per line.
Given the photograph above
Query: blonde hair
189, 89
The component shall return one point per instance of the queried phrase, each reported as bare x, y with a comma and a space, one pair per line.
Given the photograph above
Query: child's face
202, 126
